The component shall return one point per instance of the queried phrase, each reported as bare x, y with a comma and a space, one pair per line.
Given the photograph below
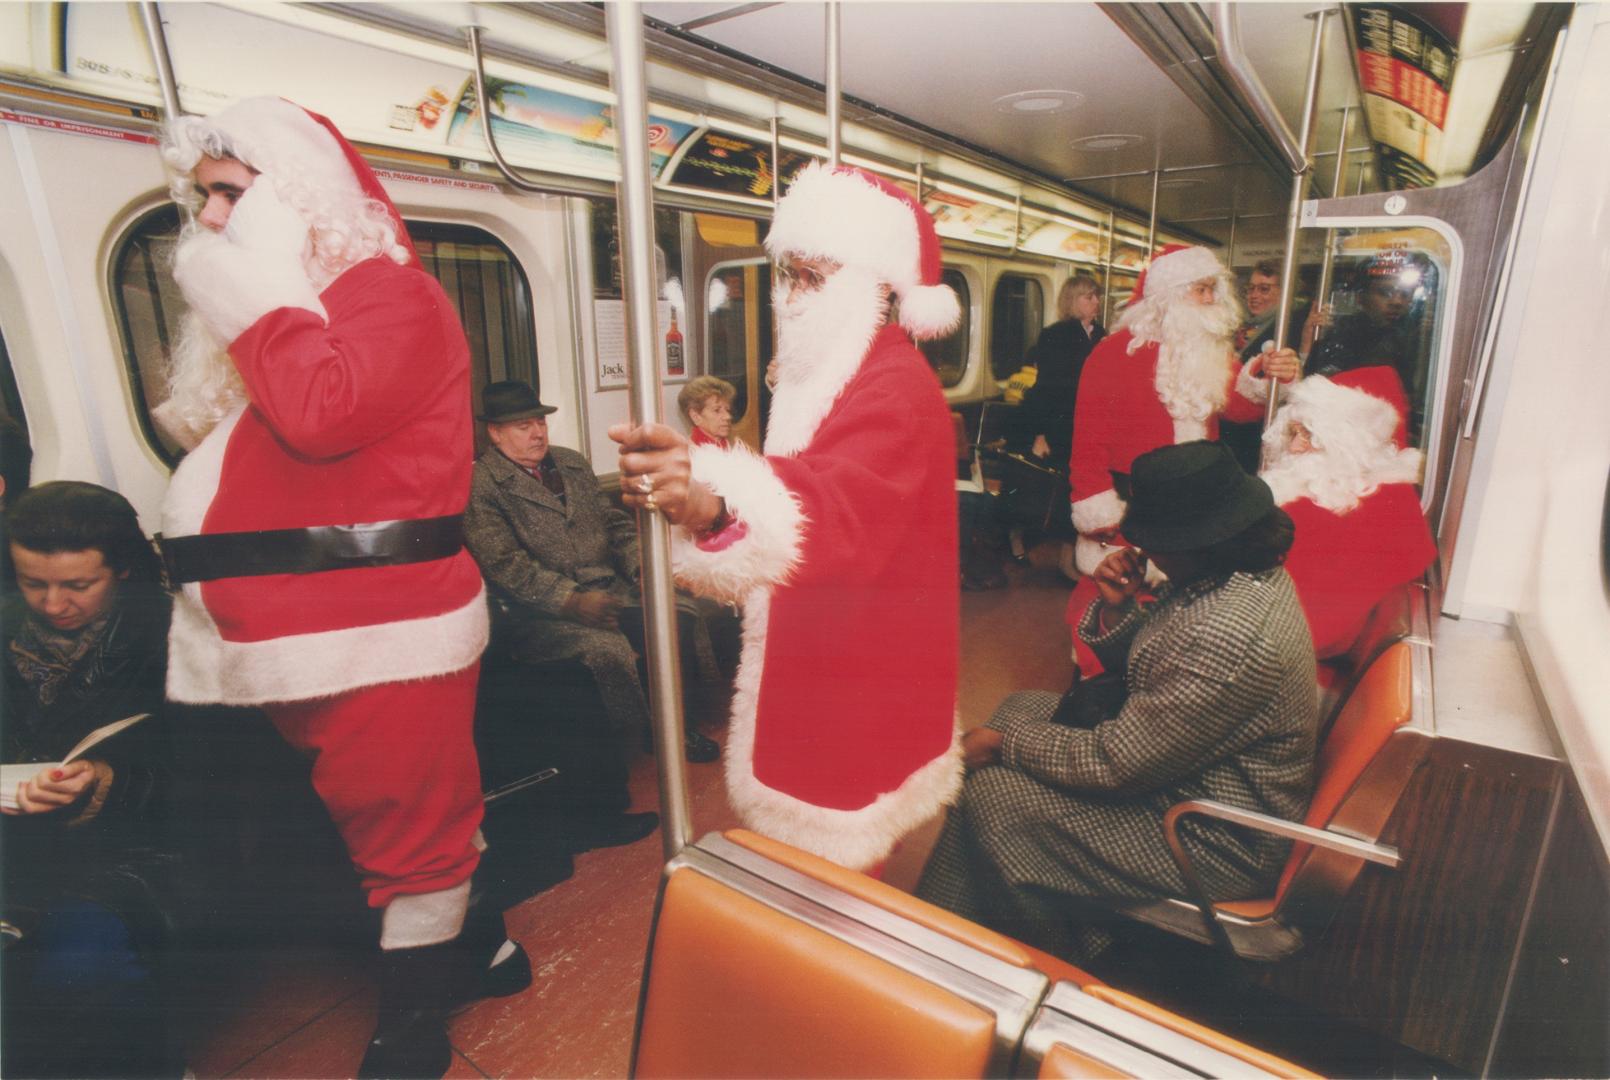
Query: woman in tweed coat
1221, 704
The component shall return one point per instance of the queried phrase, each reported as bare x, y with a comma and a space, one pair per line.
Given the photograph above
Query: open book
12, 776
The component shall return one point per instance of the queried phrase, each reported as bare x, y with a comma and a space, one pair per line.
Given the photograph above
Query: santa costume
1360, 529
1138, 393
316, 526
840, 543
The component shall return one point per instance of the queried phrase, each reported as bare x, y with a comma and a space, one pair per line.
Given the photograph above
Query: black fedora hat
1191, 496
510, 400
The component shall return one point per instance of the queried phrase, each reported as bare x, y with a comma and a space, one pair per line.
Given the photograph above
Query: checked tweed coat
1221, 705
536, 550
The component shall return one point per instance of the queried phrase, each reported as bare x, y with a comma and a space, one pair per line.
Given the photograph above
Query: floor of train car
305, 1011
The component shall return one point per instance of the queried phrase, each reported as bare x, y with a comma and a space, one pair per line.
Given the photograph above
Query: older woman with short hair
706, 404
1221, 704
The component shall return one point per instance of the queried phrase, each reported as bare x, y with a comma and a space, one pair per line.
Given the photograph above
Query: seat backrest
1381, 702
1098, 1032
762, 966
1390, 621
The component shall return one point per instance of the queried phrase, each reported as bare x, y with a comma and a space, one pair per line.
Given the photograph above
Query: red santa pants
395, 765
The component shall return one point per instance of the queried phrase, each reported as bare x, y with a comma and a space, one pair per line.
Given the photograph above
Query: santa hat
284, 141
1382, 382
1334, 412
1176, 265
857, 219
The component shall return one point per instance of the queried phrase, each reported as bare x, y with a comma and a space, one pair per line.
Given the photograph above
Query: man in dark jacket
562, 562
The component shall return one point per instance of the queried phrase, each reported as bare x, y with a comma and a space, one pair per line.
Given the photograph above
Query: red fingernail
55, 774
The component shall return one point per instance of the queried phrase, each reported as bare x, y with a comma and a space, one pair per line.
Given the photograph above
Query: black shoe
482, 938
611, 830
700, 748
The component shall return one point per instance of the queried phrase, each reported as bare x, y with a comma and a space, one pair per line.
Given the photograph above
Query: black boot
410, 1038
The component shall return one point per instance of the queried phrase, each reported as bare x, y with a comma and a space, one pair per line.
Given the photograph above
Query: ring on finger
649, 502
645, 484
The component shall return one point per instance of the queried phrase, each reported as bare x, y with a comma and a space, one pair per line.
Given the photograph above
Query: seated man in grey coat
1058, 816
561, 560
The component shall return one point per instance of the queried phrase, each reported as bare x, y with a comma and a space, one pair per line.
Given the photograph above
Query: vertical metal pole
625, 28
1288, 268
1017, 221
1235, 216
158, 40
1151, 225
921, 181
835, 83
776, 163
1106, 271
1323, 291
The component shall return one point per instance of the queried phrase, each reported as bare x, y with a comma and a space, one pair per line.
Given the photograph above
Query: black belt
310, 551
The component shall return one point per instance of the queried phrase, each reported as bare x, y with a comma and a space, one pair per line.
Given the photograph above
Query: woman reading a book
85, 645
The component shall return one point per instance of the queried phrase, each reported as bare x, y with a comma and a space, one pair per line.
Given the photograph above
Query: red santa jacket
1343, 564
843, 554
364, 419
1118, 417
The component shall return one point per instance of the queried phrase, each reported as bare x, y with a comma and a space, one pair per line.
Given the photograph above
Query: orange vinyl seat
1377, 742
1100, 1032
767, 961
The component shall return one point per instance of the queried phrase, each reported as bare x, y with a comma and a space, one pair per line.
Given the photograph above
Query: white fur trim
1189, 430
230, 287
929, 311
1181, 268
1088, 553
767, 509
195, 482
1250, 386
205, 669
1102, 510
857, 839
414, 920
840, 216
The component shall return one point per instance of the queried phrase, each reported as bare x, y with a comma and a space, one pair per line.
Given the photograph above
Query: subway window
481, 277
739, 324
948, 354
1017, 315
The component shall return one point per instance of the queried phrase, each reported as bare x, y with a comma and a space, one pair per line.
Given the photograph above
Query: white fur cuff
769, 512
230, 288
1103, 510
1251, 386
414, 920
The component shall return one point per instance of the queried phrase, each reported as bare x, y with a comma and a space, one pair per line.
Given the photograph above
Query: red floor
307, 1013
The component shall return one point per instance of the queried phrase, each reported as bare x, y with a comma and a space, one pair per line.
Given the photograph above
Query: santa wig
1353, 449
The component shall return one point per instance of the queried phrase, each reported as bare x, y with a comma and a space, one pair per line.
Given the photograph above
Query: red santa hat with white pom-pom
861, 220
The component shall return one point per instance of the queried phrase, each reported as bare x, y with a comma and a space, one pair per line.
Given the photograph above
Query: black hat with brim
510, 400
1191, 496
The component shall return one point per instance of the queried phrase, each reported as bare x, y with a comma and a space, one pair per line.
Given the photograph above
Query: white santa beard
821, 340
1339, 481
203, 385
1193, 359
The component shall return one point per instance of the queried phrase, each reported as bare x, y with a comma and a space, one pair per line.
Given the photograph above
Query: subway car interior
592, 185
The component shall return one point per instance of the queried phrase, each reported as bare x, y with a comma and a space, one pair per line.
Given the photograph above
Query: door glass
1387, 297
948, 354
738, 299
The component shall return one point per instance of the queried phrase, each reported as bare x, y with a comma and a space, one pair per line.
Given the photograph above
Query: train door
734, 274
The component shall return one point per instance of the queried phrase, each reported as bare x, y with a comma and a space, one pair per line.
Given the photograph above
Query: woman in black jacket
1046, 426
85, 857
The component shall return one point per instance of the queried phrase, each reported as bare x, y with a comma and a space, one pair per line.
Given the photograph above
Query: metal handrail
157, 39
1299, 183
1227, 33
1380, 854
624, 23
835, 84
485, 109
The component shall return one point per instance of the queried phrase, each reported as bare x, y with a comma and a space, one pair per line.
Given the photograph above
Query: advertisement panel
1406, 57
